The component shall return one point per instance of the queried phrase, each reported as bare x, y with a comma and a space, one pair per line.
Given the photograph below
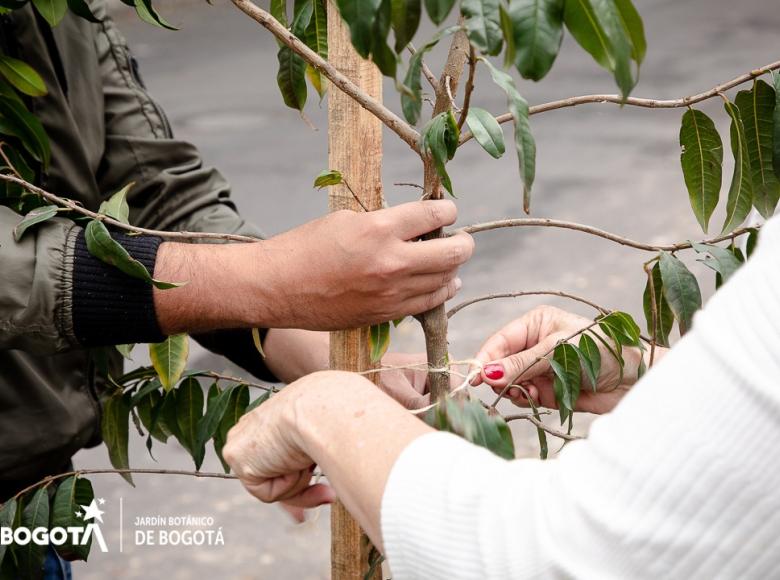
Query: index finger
414, 219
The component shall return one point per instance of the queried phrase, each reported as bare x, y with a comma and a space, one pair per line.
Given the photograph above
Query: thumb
522, 365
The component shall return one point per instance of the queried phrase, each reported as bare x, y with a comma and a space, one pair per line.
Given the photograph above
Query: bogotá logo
71, 532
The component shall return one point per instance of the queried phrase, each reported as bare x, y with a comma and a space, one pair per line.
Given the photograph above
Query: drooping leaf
524, 140
702, 161
381, 53
664, 315
483, 25
52, 10
149, 411
72, 494
114, 428
17, 121
486, 131
22, 76
776, 127
30, 557
328, 177
360, 16
189, 411
7, 518
632, 23
440, 140
590, 359
147, 13
680, 289
258, 401
405, 21
36, 216
81, 9
622, 327
378, 340
210, 422
566, 384
721, 260
169, 359
237, 406
316, 38
438, 10
757, 108
279, 11
538, 32
116, 206
741, 190
507, 29
472, 421
752, 242
291, 77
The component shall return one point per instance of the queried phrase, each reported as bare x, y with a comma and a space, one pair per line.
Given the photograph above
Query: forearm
356, 433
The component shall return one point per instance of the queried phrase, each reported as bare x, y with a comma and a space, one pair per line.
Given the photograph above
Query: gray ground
597, 164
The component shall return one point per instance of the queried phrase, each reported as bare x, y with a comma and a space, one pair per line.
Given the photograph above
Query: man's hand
344, 270
509, 357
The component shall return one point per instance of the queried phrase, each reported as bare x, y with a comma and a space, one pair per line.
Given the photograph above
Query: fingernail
458, 284
494, 372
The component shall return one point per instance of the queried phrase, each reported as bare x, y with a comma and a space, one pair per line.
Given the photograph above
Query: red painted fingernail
494, 372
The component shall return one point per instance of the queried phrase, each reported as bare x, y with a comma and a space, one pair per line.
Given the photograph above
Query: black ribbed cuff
110, 307
238, 346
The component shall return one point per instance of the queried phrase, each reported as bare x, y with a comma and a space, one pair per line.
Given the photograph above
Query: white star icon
101, 501
79, 514
92, 512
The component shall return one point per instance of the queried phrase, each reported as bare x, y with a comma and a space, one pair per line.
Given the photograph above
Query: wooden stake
355, 149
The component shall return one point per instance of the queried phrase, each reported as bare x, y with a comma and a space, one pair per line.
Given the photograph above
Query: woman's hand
508, 358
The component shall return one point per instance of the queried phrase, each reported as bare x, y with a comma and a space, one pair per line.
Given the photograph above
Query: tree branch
469, 87
541, 425
640, 102
455, 309
551, 223
393, 122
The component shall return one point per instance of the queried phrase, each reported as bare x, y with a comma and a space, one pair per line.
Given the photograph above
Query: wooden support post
355, 149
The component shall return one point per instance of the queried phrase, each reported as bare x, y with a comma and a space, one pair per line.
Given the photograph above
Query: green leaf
258, 401
632, 23
566, 385
116, 207
35, 515
381, 53
776, 127
147, 13
189, 411
72, 494
101, 245
757, 108
438, 10
169, 359
486, 131
36, 216
510, 54
125, 350
405, 21
239, 401
472, 421
590, 358
22, 76
440, 141
279, 11
483, 25
524, 141
52, 10
664, 315
291, 78
701, 160
538, 32
316, 38
621, 327
598, 28
752, 242
721, 260
17, 121
210, 422
680, 289
360, 16
150, 411
328, 177
7, 518
741, 191
81, 9
114, 428
378, 340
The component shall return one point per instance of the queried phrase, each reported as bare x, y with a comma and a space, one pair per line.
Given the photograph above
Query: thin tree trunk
355, 149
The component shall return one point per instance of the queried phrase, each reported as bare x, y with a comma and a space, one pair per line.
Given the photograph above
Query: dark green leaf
632, 23
71, 496
680, 289
291, 78
52, 10
360, 16
114, 428
210, 422
483, 24
189, 411
381, 53
81, 9
170, 359
621, 327
17, 121
757, 108
538, 32
721, 260
405, 21
507, 30
149, 410
36, 216
524, 141
147, 13
258, 401
664, 314
35, 515
486, 131
590, 358
741, 190
316, 38
472, 421
566, 384
438, 10
440, 141
22, 76
752, 241
776, 127
7, 518
378, 340
279, 11
701, 160
239, 402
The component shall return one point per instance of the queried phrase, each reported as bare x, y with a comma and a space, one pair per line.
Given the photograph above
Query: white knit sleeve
680, 481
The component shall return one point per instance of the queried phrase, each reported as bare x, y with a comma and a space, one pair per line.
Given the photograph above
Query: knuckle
433, 214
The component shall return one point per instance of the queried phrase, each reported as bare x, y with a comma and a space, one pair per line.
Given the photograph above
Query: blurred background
617, 169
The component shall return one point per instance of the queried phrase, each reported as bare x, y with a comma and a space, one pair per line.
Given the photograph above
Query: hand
508, 357
408, 386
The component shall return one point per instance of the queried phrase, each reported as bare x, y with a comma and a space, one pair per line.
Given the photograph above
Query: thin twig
222, 377
469, 87
450, 96
409, 184
355, 195
640, 102
455, 309
76, 207
430, 77
551, 223
393, 122
541, 425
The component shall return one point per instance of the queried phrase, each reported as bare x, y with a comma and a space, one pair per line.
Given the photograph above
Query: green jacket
105, 132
